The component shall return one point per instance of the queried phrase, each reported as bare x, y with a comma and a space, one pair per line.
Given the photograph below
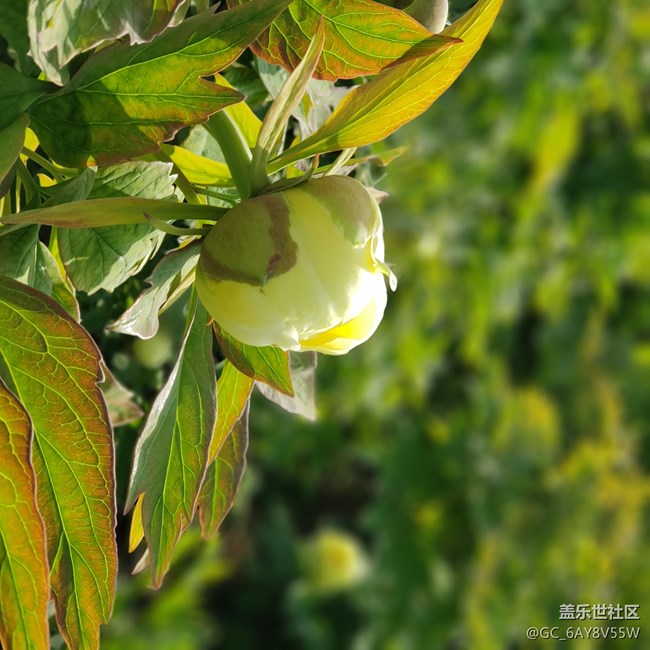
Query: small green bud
301, 269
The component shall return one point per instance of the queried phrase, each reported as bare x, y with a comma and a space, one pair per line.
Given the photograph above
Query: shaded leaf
24, 587
17, 92
171, 273
223, 478
52, 365
119, 400
125, 100
171, 455
362, 37
371, 112
302, 402
233, 391
12, 137
111, 212
13, 28
61, 29
266, 364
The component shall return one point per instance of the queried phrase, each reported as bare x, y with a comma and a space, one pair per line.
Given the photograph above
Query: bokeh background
485, 457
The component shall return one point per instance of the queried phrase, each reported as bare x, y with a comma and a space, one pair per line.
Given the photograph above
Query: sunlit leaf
371, 112
61, 29
233, 391
267, 364
170, 274
302, 366
12, 137
279, 113
52, 365
223, 478
24, 587
111, 212
362, 37
199, 169
125, 100
171, 455
17, 92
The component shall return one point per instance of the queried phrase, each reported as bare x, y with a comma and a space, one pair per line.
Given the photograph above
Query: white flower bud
301, 269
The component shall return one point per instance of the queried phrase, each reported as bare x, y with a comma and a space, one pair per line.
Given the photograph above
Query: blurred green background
484, 458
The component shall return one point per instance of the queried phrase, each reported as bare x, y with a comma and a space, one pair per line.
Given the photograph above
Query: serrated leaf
103, 258
111, 212
233, 392
171, 455
172, 272
12, 137
52, 365
223, 478
17, 92
371, 112
61, 29
362, 37
125, 100
302, 367
24, 586
267, 364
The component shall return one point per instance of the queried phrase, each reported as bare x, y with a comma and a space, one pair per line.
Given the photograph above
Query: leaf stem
177, 231
44, 163
235, 150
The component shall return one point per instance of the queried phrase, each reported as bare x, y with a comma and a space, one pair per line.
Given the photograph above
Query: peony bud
301, 269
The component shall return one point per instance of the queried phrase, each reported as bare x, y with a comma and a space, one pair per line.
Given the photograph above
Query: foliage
116, 123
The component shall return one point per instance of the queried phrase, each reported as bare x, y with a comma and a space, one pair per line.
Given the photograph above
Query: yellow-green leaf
233, 391
267, 364
171, 455
371, 112
223, 478
199, 169
24, 587
12, 137
53, 366
126, 100
362, 37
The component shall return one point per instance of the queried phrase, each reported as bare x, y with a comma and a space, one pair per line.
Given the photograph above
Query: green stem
217, 195
235, 150
182, 181
44, 163
177, 231
31, 188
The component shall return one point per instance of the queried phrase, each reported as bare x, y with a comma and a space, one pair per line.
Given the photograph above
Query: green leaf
267, 364
61, 29
13, 28
276, 118
12, 138
52, 365
121, 407
199, 170
171, 455
302, 366
223, 478
111, 212
233, 391
17, 92
371, 112
171, 276
362, 37
103, 258
126, 100
24, 586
